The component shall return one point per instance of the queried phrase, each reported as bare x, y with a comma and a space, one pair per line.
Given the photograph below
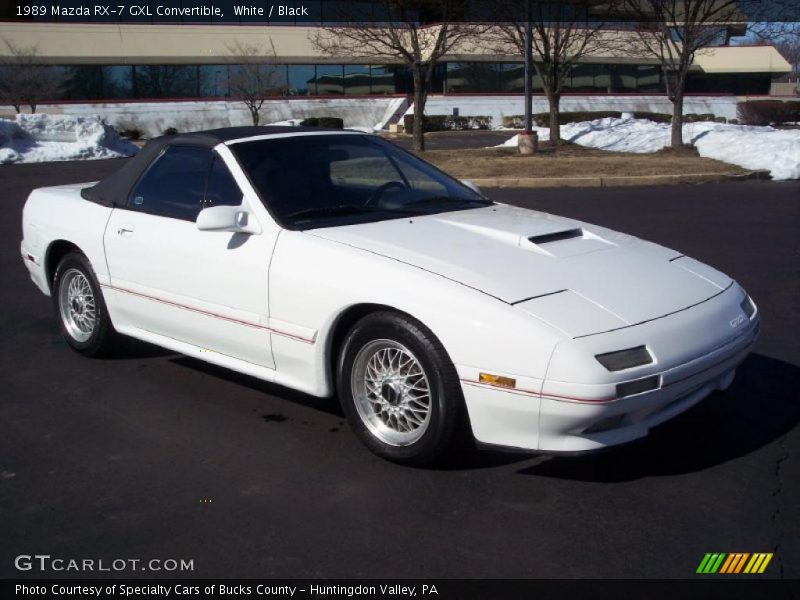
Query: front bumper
696, 350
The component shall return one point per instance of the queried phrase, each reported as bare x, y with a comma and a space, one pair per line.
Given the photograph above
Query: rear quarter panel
59, 213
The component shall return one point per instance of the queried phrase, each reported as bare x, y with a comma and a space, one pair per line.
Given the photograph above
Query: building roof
99, 43
742, 59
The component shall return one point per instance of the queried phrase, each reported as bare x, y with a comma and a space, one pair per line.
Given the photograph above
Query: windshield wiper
332, 211
431, 200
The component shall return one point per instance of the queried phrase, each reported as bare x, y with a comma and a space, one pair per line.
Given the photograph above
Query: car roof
114, 189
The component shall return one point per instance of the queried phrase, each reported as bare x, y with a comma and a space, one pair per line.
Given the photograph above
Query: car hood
580, 278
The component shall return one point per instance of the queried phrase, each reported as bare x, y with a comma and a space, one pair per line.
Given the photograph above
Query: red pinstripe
211, 314
537, 394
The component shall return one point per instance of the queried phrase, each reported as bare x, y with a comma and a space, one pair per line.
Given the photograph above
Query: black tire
446, 416
101, 341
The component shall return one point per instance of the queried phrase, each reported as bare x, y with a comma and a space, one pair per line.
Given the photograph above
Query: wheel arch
339, 328
344, 322
57, 250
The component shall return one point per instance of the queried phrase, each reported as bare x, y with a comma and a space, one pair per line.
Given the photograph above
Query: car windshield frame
452, 194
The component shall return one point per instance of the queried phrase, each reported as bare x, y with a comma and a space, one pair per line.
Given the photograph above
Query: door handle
125, 229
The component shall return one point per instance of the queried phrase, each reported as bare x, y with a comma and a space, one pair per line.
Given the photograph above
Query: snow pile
42, 138
747, 146
753, 148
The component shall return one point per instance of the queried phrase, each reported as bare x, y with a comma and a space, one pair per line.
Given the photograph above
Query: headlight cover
625, 359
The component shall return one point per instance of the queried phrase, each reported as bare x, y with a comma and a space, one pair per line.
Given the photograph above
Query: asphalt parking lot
153, 455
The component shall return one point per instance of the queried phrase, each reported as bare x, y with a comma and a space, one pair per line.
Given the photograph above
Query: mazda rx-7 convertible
335, 263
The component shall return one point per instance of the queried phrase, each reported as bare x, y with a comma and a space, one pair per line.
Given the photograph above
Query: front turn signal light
497, 380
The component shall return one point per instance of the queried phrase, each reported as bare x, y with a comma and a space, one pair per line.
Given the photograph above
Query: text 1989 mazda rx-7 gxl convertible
334, 262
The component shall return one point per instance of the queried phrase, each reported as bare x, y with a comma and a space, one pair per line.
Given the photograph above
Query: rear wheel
399, 389
79, 306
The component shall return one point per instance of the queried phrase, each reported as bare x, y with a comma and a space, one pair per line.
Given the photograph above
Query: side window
419, 180
222, 189
173, 186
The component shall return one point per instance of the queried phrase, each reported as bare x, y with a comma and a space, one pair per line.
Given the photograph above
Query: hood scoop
557, 236
565, 243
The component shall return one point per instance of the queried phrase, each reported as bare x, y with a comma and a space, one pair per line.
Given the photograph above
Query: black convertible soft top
114, 189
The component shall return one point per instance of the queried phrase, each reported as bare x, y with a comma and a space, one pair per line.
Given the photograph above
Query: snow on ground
42, 138
747, 146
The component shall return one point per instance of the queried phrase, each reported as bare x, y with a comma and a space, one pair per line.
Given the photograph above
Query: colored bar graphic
734, 563
740, 564
727, 564
717, 563
754, 563
767, 558
730, 564
703, 563
711, 563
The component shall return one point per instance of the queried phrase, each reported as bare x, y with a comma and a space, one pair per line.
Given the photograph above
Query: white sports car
334, 262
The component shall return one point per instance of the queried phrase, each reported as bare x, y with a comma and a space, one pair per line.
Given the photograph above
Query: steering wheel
381, 190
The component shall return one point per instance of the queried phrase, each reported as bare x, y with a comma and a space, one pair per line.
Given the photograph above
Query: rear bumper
575, 417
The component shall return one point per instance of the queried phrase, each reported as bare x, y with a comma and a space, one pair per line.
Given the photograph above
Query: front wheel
80, 309
399, 389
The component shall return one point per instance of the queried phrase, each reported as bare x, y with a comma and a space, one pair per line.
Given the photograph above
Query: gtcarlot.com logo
45, 562
734, 563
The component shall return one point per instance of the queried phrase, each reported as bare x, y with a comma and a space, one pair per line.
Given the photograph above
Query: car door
205, 288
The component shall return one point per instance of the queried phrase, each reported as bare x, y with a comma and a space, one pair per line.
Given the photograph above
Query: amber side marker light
497, 380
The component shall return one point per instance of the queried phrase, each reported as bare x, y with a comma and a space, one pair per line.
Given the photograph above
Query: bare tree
776, 22
561, 35
790, 50
675, 31
401, 37
254, 77
24, 81
164, 81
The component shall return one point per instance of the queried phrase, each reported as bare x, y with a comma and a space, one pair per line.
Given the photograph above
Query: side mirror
227, 218
471, 185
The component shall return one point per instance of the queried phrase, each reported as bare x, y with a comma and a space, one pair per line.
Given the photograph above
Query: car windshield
312, 181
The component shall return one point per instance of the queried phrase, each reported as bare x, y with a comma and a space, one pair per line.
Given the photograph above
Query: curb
616, 180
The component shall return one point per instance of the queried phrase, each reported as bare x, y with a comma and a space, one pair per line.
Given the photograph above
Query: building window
213, 81
581, 79
512, 77
165, 81
472, 77
170, 81
648, 78
330, 80
357, 79
302, 80
382, 79
85, 83
615, 79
